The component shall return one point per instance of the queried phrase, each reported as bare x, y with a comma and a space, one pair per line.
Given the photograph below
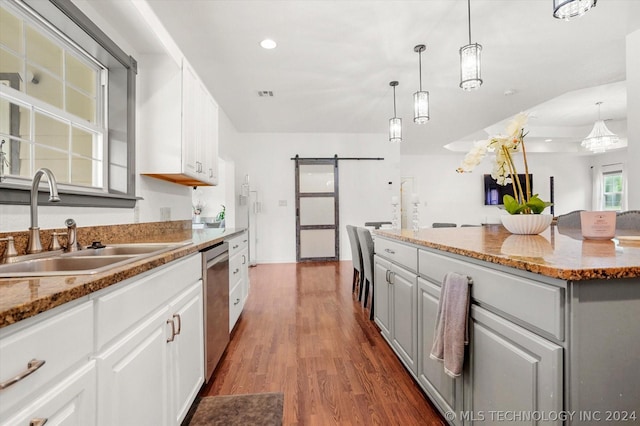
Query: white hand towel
451, 334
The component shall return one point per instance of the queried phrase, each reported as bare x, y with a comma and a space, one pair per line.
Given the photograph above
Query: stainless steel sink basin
84, 262
62, 265
124, 249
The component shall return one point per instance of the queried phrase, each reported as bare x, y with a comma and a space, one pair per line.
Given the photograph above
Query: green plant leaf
511, 205
536, 205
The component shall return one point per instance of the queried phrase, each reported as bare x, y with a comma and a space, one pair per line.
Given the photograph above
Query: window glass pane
45, 87
24, 128
82, 143
613, 201
9, 62
10, 31
80, 75
51, 132
317, 243
56, 161
316, 178
81, 105
82, 172
44, 52
317, 211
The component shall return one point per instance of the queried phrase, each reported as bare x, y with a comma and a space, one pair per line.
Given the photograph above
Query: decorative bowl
526, 224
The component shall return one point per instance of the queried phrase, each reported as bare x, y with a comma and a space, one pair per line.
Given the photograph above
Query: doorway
317, 210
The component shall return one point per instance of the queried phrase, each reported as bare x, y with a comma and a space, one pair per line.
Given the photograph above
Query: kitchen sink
123, 249
84, 262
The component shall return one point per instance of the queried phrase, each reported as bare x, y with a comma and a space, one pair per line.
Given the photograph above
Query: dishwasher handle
224, 257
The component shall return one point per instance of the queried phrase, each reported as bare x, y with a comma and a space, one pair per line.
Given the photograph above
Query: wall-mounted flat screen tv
493, 192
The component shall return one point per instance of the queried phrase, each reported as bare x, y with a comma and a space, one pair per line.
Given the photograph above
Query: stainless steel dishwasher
215, 274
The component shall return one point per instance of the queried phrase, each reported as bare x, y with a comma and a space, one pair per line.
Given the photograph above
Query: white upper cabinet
178, 117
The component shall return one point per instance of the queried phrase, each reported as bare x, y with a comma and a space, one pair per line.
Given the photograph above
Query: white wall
365, 192
633, 119
458, 198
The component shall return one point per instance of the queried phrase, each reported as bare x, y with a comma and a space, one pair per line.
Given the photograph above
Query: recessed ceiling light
267, 43
548, 140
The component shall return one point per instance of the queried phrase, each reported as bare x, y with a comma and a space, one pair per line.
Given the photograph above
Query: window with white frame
62, 107
612, 190
610, 187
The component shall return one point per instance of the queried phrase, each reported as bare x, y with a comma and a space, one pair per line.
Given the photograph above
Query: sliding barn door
317, 210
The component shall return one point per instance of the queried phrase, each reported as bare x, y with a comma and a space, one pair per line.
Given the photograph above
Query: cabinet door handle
386, 275
210, 173
179, 318
37, 422
236, 271
244, 259
392, 276
236, 302
32, 366
235, 246
389, 251
173, 330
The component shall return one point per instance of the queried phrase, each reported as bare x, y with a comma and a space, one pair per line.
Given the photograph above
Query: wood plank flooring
303, 333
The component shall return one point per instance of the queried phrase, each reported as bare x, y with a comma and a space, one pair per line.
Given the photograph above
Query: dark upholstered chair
366, 244
356, 258
443, 225
628, 221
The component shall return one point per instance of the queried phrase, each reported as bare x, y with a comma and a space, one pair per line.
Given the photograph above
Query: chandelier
601, 138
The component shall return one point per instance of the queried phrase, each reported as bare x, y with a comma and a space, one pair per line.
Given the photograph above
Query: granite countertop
564, 255
24, 297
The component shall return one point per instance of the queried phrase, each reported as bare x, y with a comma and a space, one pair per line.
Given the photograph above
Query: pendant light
395, 123
420, 98
470, 61
601, 138
566, 9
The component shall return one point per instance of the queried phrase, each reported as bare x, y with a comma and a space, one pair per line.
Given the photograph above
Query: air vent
265, 93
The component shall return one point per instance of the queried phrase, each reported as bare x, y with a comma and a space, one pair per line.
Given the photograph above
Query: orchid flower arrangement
504, 169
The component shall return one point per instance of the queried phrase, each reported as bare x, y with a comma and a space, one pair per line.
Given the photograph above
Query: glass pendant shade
566, 9
470, 77
600, 139
421, 97
395, 130
420, 107
395, 123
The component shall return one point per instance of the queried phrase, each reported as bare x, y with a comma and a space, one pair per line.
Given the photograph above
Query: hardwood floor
303, 333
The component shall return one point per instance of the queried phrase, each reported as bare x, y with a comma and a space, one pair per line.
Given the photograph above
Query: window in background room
609, 187
612, 190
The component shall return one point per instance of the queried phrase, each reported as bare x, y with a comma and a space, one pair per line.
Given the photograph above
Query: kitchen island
553, 322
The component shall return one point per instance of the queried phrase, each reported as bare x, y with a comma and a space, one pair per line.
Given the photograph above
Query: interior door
317, 236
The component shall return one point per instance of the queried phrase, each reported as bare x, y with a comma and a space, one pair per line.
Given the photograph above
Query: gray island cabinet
554, 337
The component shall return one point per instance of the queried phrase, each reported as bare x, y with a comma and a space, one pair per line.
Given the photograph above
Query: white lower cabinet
238, 276
45, 368
71, 402
151, 372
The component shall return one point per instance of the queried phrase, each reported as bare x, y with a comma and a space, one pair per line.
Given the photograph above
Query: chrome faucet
72, 236
35, 246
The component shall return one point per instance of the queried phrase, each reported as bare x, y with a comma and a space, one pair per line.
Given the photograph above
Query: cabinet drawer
61, 341
237, 264
237, 244
235, 305
70, 401
138, 297
538, 304
400, 253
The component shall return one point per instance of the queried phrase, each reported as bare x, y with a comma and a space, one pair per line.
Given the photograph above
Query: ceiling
331, 70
